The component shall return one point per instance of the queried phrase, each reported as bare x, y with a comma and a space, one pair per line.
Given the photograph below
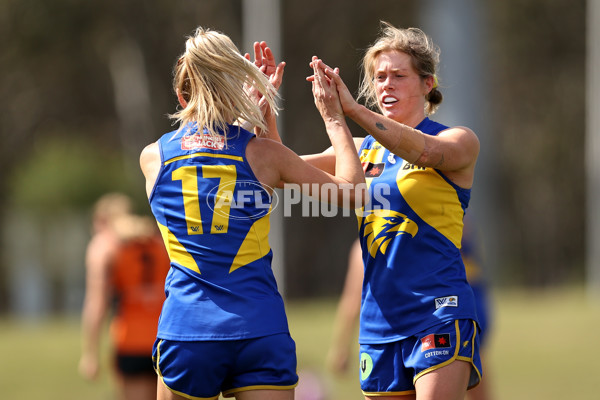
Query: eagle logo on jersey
381, 226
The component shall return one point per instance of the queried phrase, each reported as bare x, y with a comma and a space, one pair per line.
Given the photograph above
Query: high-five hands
325, 91
332, 75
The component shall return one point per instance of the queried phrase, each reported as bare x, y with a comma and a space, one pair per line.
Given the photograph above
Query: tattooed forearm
441, 162
381, 126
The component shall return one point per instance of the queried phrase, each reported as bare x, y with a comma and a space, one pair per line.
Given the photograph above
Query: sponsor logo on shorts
448, 301
435, 341
437, 353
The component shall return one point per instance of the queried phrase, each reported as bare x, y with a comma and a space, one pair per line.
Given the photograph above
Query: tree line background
86, 85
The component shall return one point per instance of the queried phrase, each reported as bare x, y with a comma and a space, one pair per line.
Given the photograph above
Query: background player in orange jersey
126, 265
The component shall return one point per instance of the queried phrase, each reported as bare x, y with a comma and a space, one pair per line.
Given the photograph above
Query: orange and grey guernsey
410, 233
138, 277
213, 214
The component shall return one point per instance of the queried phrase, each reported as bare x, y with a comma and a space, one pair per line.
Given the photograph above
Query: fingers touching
328, 71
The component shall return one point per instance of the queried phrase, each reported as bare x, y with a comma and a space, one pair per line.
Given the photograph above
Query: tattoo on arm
381, 126
441, 162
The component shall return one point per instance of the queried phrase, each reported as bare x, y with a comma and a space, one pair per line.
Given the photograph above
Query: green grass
39, 361
544, 346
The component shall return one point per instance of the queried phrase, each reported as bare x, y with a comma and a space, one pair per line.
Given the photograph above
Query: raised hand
345, 97
265, 62
325, 92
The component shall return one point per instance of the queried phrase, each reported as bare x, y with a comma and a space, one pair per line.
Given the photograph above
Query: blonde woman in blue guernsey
418, 324
223, 328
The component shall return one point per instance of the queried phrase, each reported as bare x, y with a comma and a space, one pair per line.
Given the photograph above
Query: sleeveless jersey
138, 278
213, 214
410, 234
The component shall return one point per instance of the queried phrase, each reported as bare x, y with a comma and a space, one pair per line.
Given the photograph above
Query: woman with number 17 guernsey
418, 322
223, 328
219, 238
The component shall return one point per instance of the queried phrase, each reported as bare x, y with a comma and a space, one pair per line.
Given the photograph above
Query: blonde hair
211, 75
425, 57
111, 206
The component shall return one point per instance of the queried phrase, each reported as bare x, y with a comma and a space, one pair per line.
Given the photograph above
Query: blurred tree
68, 173
539, 92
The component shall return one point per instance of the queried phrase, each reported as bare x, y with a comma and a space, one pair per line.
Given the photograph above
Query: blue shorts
393, 368
204, 369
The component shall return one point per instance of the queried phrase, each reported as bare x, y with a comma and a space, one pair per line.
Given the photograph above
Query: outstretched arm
326, 161
327, 101
273, 163
453, 151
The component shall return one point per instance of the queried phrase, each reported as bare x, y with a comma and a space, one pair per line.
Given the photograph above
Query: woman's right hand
89, 367
325, 93
346, 99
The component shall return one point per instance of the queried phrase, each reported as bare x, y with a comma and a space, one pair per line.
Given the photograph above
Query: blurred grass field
543, 347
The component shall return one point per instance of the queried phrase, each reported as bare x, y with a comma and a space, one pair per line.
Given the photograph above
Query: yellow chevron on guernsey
255, 244
443, 211
176, 251
380, 226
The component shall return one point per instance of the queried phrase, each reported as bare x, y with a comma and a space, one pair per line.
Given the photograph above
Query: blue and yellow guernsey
410, 233
213, 214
